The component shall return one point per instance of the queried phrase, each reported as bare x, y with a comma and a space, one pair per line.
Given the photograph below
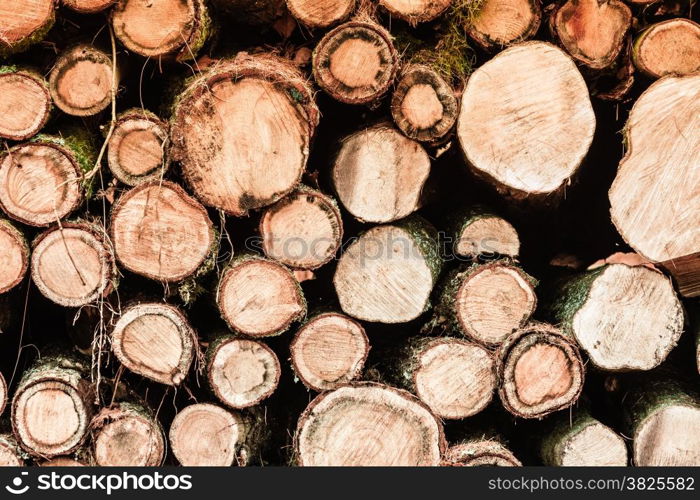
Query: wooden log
485, 302
388, 273
582, 441
258, 297
82, 80
498, 23
145, 243
455, 378
207, 435
63, 462
162, 29
14, 256
252, 12
356, 62
340, 428
540, 371
138, 147
10, 452
126, 434
24, 23
415, 12
528, 95
379, 174
329, 350
624, 317
88, 6
477, 231
261, 100
3, 393
156, 341
320, 13
241, 373
424, 106
52, 406
481, 453
25, 103
593, 32
303, 230
670, 47
72, 264
655, 209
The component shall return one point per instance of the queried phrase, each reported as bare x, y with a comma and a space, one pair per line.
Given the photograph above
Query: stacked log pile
340, 232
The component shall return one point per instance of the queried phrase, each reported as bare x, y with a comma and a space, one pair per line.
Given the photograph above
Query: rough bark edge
430, 13
461, 219
8, 442
686, 274
313, 25
7, 227
38, 78
641, 38
464, 452
489, 45
6, 50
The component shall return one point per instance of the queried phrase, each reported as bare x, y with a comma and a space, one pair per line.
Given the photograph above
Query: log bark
485, 302
329, 350
624, 317
528, 95
424, 106
25, 103
88, 6
540, 371
241, 373
138, 147
497, 24
654, 208
52, 406
415, 12
24, 23
480, 453
670, 47
156, 341
162, 29
355, 63
479, 232
10, 452
235, 104
127, 434
340, 428
320, 13
14, 255
388, 273
72, 264
304, 230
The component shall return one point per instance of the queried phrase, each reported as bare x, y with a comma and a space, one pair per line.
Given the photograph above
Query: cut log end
320, 13
259, 297
24, 23
595, 445
670, 47
10, 454
669, 437
14, 256
379, 174
416, 11
340, 428
487, 235
155, 341
142, 231
242, 372
63, 462
303, 230
88, 6
25, 104
329, 350
72, 266
500, 23
356, 62
81, 81
481, 453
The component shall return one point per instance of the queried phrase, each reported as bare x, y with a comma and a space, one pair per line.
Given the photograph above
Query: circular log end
489, 235
416, 11
670, 47
595, 445
481, 453
88, 6
21, 21
499, 23
320, 13
25, 104
669, 437
10, 454
14, 255
126, 436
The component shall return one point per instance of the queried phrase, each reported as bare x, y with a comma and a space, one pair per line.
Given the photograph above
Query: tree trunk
320, 13
156, 341
10, 452
480, 453
498, 23
624, 317
478, 232
528, 95
24, 23
651, 208
238, 103
14, 255
388, 273
540, 371
409, 434
329, 350
88, 6
356, 62
25, 103
241, 373
415, 12
671, 47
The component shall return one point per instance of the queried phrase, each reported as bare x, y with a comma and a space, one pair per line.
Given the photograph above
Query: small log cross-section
416, 11
10, 453
320, 13
143, 226
127, 435
88, 6
241, 373
261, 100
156, 341
3, 393
388, 273
14, 256
303, 230
72, 265
259, 297
499, 23
424, 106
356, 62
25, 103
540, 371
330, 349
340, 428
670, 47
477, 231
480, 453
81, 81
24, 23
526, 121
379, 174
